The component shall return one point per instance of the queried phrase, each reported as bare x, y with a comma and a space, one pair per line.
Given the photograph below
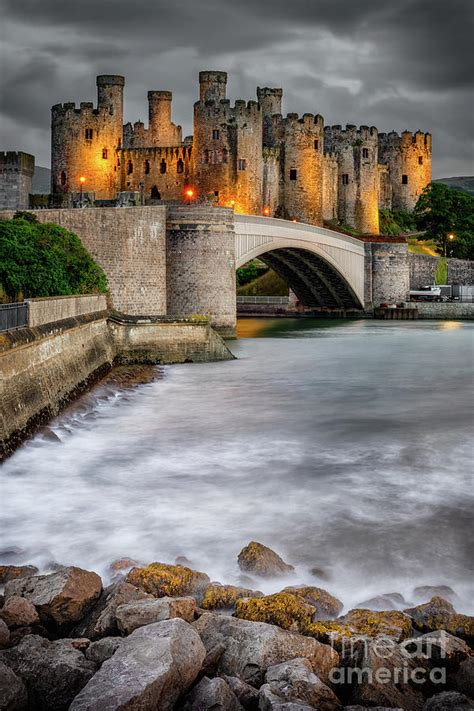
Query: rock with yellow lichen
439, 614
163, 580
260, 560
371, 624
221, 597
327, 606
283, 609
329, 632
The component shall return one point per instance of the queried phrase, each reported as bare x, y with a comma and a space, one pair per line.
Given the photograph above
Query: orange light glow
294, 220
451, 236
266, 210
232, 203
189, 193
82, 179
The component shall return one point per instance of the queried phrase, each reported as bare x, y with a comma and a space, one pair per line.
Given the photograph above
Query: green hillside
268, 284
464, 184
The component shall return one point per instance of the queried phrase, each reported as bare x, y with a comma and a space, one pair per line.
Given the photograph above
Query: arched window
63, 178
147, 167
104, 153
155, 193
163, 167
129, 167
180, 166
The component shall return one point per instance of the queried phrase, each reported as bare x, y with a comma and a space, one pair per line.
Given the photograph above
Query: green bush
396, 222
45, 260
441, 211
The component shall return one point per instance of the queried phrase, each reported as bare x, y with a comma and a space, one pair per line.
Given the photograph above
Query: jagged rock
448, 700
13, 695
327, 606
290, 612
19, 612
149, 671
439, 614
119, 568
424, 593
13, 572
390, 623
260, 560
101, 650
381, 603
220, 597
268, 701
182, 560
144, 612
162, 580
329, 632
60, 598
372, 708
246, 694
101, 620
296, 680
4, 634
53, 672
252, 647
462, 679
212, 659
211, 694
440, 648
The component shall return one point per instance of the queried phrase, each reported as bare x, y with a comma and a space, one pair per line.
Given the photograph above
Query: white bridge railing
262, 299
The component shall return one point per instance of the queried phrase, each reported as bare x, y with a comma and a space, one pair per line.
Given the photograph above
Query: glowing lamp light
190, 193
294, 220
82, 180
451, 236
232, 203
266, 210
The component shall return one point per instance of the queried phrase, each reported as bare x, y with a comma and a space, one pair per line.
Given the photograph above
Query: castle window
345, 179
242, 164
206, 156
147, 167
89, 134
63, 178
129, 167
404, 179
316, 144
215, 134
215, 157
225, 155
216, 193
180, 166
420, 160
293, 174
104, 153
365, 153
163, 167
155, 193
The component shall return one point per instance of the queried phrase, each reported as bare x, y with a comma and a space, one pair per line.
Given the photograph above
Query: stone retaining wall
450, 311
57, 308
423, 267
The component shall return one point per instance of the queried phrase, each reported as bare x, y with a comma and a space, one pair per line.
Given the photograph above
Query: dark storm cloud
392, 63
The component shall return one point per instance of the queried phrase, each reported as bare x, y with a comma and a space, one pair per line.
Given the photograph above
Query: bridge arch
325, 269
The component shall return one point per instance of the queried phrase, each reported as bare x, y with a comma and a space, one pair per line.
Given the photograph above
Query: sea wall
50, 309
448, 311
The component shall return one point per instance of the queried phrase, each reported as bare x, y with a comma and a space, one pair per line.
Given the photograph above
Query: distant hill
464, 184
41, 180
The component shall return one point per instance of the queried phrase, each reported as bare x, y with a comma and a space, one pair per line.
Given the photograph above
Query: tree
440, 212
45, 260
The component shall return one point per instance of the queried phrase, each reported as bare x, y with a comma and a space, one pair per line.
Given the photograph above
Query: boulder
13, 695
390, 623
4, 635
440, 648
252, 647
463, 678
380, 603
439, 614
19, 612
101, 620
246, 694
260, 560
329, 632
211, 694
102, 649
13, 572
295, 679
149, 671
144, 612
372, 708
53, 672
268, 701
424, 593
452, 700
60, 598
290, 612
327, 606
162, 580
221, 597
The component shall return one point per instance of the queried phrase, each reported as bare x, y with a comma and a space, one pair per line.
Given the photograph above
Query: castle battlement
406, 139
351, 132
17, 161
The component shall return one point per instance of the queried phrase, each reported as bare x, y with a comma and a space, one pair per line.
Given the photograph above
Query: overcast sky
394, 64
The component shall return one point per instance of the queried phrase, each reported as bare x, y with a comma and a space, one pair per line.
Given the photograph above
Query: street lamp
451, 237
189, 194
82, 180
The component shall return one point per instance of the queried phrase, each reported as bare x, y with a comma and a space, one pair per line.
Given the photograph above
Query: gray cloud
403, 64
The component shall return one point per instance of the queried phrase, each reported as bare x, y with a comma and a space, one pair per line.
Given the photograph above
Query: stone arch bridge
181, 260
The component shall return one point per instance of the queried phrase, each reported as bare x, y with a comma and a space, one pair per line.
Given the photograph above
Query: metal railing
262, 299
13, 316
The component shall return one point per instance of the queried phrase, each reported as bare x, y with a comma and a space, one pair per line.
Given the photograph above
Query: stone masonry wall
56, 308
303, 167
423, 267
16, 174
390, 272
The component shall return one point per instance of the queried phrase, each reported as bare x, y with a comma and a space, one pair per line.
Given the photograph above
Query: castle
247, 156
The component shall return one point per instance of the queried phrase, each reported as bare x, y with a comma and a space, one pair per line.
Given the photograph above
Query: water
345, 446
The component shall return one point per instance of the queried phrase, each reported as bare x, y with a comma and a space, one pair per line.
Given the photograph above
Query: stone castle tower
247, 156
16, 175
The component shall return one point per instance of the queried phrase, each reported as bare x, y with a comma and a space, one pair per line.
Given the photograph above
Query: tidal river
344, 446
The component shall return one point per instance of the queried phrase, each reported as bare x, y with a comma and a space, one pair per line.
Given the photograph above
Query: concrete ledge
57, 308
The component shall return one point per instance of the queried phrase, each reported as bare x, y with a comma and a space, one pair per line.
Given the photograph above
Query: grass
268, 284
418, 246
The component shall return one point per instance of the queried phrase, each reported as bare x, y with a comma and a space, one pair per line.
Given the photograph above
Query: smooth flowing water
345, 446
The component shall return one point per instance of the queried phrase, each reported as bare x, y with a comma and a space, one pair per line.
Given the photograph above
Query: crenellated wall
16, 175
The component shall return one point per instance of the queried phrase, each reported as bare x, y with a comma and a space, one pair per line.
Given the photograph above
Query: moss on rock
219, 597
327, 606
370, 623
163, 580
439, 614
257, 558
283, 609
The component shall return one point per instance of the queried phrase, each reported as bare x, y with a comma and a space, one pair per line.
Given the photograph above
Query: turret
161, 130
408, 158
110, 94
212, 86
270, 101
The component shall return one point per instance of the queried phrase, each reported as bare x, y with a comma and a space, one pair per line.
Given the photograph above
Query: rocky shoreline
164, 636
